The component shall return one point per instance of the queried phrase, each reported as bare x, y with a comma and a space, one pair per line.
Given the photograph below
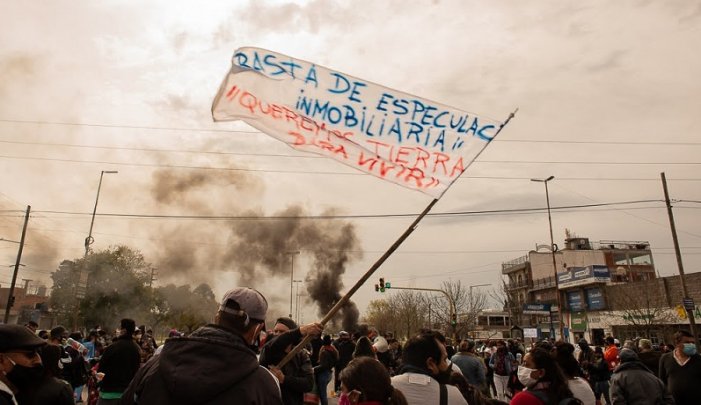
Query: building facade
575, 278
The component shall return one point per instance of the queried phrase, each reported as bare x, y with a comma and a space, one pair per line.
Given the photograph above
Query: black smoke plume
257, 248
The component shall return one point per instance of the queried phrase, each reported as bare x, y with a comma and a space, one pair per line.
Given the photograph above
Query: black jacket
633, 383
299, 375
119, 362
345, 348
50, 391
211, 366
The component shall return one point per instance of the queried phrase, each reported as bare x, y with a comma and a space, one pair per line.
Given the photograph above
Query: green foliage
118, 287
186, 309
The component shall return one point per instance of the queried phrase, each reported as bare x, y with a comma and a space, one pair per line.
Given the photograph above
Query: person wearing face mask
21, 369
214, 364
365, 381
680, 370
425, 373
544, 381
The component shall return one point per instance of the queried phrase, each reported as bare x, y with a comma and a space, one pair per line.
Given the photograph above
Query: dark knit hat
287, 322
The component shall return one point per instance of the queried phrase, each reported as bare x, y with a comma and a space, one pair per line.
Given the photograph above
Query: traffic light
454, 319
12, 301
377, 288
388, 285
382, 284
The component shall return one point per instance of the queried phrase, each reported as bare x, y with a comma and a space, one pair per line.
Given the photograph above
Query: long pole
552, 252
292, 276
473, 313
344, 300
677, 251
17, 264
89, 240
82, 284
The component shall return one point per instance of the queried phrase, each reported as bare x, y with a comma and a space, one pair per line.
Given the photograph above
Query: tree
468, 302
186, 309
116, 288
402, 313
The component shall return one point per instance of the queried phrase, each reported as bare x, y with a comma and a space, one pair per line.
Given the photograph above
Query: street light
472, 306
82, 284
89, 240
552, 251
297, 282
292, 275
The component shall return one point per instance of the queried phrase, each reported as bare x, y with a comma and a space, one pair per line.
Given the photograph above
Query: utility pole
292, 276
677, 251
10, 296
152, 278
552, 251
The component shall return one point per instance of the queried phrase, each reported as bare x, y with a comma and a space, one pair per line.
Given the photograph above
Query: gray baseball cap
246, 300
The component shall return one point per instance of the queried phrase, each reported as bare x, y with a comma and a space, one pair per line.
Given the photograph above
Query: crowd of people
234, 360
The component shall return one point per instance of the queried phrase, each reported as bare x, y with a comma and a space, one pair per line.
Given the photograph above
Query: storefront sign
575, 276
536, 309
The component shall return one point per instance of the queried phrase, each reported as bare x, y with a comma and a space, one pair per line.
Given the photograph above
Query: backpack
543, 397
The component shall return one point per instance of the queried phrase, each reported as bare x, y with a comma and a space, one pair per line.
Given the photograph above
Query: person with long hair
564, 355
365, 381
502, 363
544, 381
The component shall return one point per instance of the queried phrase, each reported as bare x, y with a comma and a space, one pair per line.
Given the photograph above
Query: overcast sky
608, 94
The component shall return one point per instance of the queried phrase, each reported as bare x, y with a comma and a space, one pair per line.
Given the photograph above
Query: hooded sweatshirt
211, 366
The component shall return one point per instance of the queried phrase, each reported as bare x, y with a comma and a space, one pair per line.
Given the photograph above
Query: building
31, 303
491, 324
583, 268
648, 308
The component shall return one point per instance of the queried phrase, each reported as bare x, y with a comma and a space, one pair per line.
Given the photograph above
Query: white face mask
524, 375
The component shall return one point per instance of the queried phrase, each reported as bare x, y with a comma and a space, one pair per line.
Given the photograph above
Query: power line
135, 149
350, 172
285, 217
181, 129
120, 126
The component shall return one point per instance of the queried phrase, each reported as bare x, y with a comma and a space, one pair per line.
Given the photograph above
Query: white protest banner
395, 136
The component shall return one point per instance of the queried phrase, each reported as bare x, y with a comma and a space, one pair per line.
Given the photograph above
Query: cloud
611, 61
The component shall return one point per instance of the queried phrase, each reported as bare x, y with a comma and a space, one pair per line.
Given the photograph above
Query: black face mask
23, 376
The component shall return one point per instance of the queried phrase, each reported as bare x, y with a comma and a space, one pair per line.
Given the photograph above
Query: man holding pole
297, 376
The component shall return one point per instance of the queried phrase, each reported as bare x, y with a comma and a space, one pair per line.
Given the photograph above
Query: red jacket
611, 357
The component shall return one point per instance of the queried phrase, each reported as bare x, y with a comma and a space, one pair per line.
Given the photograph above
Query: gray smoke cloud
257, 248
